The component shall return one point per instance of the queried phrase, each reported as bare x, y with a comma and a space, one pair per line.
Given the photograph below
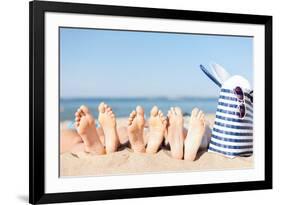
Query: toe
154, 111
80, 112
77, 114
194, 112
77, 119
178, 111
140, 110
101, 107
200, 113
202, 117
84, 109
108, 109
131, 118
133, 114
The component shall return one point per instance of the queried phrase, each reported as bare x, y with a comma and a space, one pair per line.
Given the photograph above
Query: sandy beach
125, 161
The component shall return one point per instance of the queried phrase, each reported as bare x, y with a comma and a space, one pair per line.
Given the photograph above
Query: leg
108, 124
69, 139
86, 128
195, 134
157, 127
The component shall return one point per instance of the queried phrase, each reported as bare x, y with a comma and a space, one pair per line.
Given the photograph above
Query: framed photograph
130, 102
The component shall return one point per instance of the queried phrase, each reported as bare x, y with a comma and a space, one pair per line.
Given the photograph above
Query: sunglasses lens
242, 110
239, 93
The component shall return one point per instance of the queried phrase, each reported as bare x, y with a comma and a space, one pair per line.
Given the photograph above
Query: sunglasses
241, 99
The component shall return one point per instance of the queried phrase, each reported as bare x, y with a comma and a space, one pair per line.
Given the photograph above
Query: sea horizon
122, 106
136, 97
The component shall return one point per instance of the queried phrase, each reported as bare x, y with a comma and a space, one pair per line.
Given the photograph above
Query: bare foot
175, 135
108, 123
86, 128
157, 126
135, 129
195, 134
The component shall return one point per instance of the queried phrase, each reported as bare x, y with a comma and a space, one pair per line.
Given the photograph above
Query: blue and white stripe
231, 135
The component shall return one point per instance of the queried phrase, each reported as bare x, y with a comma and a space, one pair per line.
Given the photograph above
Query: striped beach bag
232, 133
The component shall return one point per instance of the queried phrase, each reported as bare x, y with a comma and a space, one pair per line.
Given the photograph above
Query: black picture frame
37, 10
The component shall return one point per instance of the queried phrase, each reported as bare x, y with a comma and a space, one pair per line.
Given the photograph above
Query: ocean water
123, 106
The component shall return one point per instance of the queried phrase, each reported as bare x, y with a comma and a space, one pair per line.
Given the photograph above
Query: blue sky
106, 63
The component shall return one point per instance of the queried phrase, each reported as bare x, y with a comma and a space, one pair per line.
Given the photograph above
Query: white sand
125, 161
